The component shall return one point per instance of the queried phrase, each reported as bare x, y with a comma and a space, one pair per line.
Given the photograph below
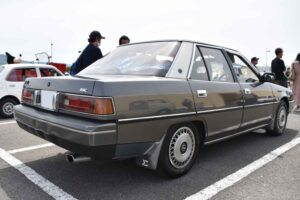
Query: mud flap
150, 158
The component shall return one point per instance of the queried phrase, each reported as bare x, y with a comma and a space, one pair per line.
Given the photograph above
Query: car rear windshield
148, 59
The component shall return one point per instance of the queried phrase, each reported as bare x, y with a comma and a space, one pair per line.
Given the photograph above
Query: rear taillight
91, 105
27, 96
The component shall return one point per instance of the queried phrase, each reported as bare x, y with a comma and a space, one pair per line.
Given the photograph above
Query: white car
12, 78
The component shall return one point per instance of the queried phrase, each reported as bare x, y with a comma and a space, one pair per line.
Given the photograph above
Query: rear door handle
247, 91
201, 93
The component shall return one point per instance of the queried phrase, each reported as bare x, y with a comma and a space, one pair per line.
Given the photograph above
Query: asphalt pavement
29, 173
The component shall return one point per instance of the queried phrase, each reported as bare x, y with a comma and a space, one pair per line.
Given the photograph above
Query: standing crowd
285, 76
295, 79
92, 52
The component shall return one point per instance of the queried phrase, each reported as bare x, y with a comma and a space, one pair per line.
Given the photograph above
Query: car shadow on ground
296, 112
124, 180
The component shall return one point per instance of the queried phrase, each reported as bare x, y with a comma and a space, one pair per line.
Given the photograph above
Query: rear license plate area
49, 100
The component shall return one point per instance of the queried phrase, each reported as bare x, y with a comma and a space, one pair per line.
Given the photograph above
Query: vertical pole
266, 59
267, 51
51, 51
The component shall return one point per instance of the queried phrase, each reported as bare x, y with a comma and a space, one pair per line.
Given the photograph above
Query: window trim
245, 61
197, 47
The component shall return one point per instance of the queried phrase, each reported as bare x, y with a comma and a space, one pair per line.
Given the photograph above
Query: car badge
48, 84
83, 90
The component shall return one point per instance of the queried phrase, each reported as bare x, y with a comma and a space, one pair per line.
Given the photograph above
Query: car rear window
17, 75
149, 59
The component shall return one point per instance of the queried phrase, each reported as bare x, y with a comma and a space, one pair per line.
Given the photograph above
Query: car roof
26, 65
183, 40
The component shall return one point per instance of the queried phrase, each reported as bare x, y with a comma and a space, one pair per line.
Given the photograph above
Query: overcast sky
250, 26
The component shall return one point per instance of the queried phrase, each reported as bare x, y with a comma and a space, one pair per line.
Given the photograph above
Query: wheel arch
150, 158
286, 101
201, 128
10, 97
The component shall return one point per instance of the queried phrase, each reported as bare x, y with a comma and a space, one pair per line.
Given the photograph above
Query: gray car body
137, 129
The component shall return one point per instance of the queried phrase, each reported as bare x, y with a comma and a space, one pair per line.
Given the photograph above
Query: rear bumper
86, 137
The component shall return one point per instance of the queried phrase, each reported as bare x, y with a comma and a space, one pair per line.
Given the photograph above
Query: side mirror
268, 77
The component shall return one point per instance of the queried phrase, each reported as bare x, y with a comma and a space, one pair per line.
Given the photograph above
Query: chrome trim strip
180, 114
269, 117
190, 113
236, 134
260, 104
156, 117
64, 127
219, 110
266, 99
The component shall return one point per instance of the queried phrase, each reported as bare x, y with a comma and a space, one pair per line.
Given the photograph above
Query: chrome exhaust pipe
76, 158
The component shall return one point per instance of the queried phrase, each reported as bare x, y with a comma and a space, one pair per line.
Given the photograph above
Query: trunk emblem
48, 84
83, 90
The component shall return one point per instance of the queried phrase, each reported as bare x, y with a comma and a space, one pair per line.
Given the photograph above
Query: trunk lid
72, 85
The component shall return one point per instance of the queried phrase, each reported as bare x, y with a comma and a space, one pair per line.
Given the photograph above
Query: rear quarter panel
146, 109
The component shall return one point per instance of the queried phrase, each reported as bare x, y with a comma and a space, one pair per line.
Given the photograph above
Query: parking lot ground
124, 180
278, 180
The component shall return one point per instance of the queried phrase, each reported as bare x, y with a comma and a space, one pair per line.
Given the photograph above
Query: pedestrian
124, 40
288, 72
278, 68
295, 78
90, 54
254, 61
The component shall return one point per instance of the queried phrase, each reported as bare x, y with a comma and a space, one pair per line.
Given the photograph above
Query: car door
15, 80
258, 96
216, 93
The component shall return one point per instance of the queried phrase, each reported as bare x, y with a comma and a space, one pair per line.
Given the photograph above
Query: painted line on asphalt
231, 179
30, 148
48, 187
9, 122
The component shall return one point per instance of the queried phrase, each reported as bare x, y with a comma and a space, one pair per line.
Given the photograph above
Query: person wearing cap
124, 40
254, 61
90, 54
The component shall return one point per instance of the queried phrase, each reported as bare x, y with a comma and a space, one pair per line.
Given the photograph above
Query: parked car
12, 78
107, 110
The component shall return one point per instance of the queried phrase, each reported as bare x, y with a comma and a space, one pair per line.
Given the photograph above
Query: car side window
199, 71
45, 72
28, 73
18, 75
242, 69
217, 65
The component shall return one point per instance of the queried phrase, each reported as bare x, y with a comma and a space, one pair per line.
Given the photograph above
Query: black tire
182, 140
278, 126
7, 107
